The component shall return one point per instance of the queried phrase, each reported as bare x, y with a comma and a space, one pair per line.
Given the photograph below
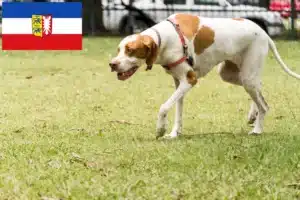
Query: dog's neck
163, 29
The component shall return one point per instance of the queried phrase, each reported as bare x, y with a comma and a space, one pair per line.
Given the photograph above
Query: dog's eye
129, 51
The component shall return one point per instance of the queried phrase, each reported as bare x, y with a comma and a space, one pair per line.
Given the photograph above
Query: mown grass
70, 130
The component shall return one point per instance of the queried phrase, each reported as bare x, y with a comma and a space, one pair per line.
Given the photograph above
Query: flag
42, 26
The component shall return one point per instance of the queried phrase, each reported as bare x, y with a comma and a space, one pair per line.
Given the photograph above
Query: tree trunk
86, 15
92, 16
131, 19
99, 16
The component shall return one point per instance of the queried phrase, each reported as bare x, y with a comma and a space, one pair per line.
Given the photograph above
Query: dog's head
133, 51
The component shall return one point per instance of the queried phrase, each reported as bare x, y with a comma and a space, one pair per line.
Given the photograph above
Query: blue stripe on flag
26, 10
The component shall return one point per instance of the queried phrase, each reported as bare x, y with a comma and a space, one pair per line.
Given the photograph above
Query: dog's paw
161, 127
252, 118
160, 132
251, 121
255, 132
172, 135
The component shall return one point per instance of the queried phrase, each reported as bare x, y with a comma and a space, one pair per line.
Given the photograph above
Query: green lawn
70, 130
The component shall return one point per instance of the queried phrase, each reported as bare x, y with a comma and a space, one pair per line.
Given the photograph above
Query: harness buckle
189, 58
190, 61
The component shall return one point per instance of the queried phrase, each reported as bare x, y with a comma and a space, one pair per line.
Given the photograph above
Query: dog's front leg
185, 84
177, 127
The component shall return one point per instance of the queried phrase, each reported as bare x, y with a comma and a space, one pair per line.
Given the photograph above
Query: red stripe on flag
52, 42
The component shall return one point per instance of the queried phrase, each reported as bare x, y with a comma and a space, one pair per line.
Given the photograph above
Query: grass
70, 130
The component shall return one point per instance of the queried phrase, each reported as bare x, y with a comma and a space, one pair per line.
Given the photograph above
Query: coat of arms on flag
41, 25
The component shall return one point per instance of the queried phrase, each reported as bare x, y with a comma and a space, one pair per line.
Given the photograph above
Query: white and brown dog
188, 47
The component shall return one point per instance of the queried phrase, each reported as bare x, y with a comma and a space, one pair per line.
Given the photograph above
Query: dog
190, 46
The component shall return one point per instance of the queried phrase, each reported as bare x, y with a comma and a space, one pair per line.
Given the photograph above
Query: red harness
186, 57
184, 46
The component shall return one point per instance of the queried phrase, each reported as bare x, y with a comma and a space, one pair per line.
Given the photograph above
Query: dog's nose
113, 66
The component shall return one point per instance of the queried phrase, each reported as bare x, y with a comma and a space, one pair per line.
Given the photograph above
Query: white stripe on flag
16, 26
23, 26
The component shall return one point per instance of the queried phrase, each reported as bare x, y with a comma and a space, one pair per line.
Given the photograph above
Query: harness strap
177, 28
174, 64
186, 57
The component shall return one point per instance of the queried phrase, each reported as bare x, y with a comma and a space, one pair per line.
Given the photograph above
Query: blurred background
123, 17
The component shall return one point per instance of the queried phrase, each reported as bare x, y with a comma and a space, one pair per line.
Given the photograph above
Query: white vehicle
148, 12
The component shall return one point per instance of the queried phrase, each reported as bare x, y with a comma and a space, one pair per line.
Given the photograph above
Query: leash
189, 59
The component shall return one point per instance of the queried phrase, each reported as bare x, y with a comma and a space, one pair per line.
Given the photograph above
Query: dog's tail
278, 58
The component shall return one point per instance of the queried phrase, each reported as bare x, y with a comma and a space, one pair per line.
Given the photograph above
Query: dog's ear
152, 49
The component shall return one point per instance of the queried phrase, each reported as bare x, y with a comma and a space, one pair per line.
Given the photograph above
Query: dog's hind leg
230, 73
255, 93
250, 76
252, 115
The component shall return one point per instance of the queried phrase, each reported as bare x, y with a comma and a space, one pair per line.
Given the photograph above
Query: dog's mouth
125, 75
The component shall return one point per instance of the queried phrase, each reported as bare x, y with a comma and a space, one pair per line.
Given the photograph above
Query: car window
206, 2
175, 2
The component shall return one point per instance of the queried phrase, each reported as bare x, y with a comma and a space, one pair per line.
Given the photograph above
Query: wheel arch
260, 22
145, 18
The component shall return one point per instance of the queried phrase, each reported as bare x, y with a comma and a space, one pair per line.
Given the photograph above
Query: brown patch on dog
191, 77
188, 24
143, 47
238, 19
204, 38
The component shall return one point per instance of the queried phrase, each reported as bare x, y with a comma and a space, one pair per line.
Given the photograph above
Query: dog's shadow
228, 135
195, 136
208, 134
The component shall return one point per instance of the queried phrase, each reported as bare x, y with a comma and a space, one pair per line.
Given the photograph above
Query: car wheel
139, 25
